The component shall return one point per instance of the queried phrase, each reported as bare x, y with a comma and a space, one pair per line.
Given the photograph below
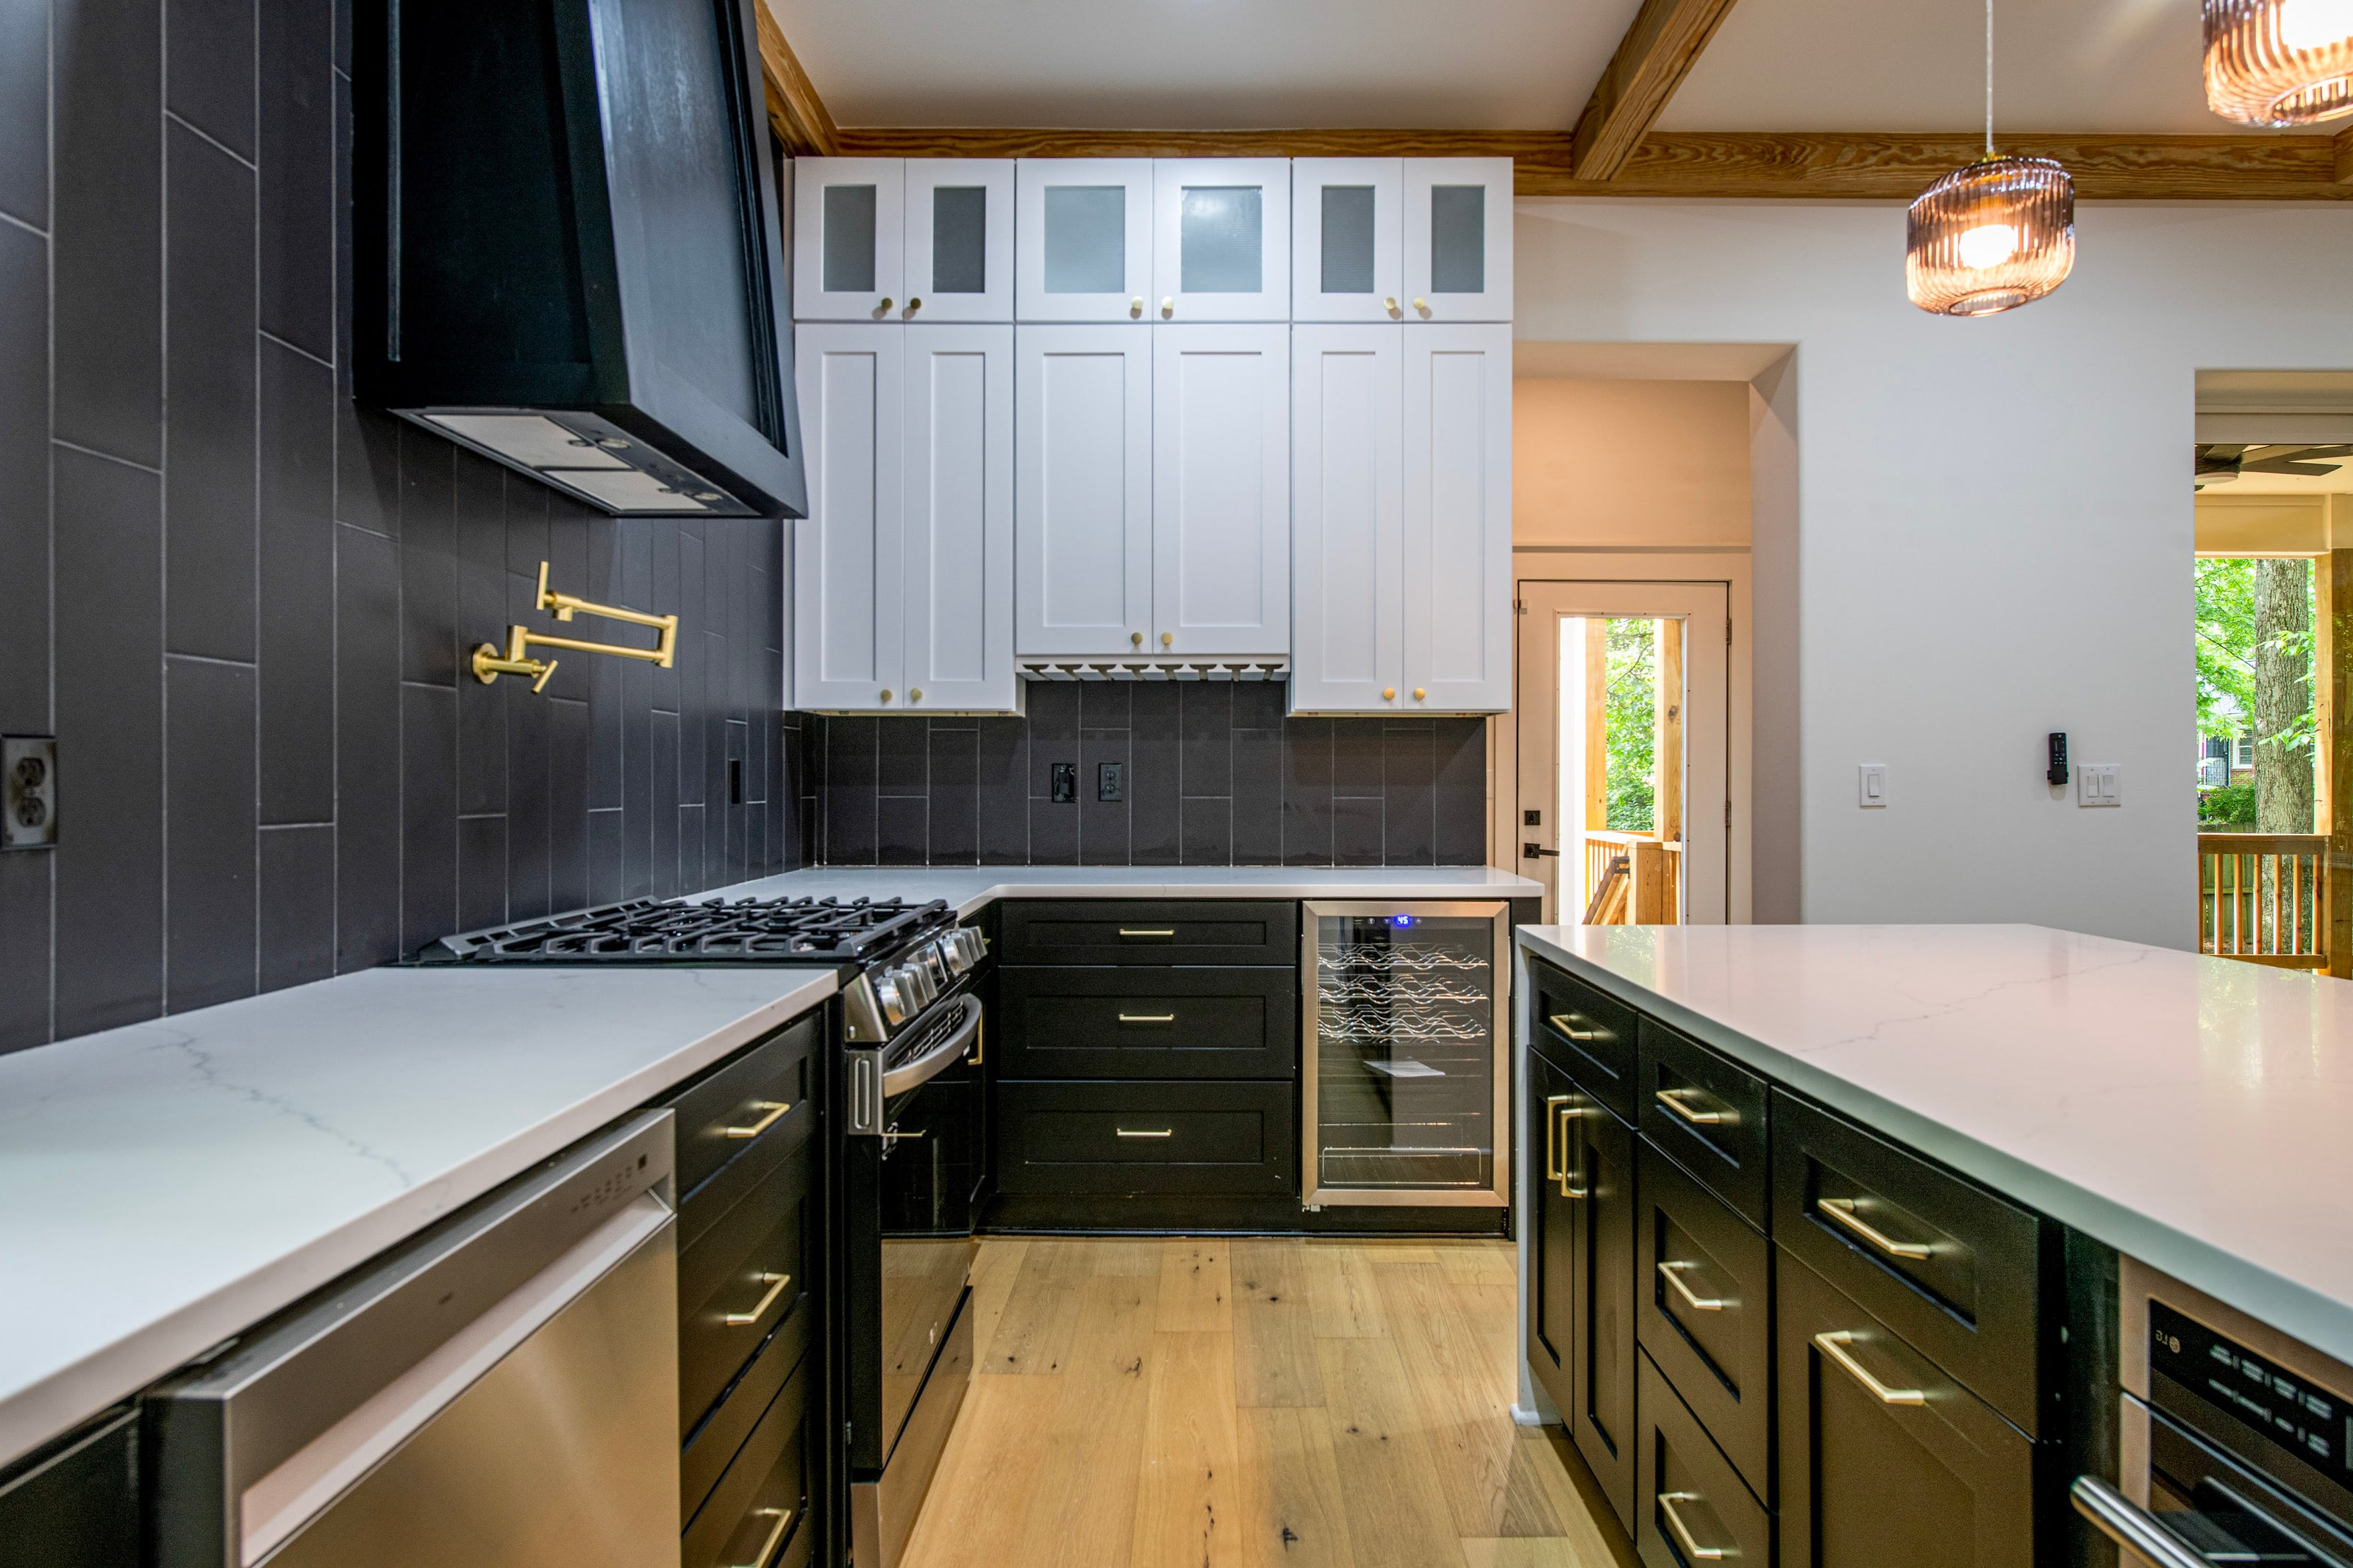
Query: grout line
175, 117
273, 337
208, 659
56, 441
50, 281
15, 222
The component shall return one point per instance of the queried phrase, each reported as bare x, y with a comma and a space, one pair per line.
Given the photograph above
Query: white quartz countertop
968, 888
2193, 1112
165, 1185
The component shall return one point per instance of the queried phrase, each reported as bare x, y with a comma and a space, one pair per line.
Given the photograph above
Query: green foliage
2227, 650
2228, 805
1632, 737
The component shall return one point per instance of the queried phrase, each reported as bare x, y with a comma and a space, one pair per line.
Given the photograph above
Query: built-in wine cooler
1405, 1068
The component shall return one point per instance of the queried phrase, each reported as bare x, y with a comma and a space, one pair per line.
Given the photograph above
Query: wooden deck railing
1631, 878
2264, 896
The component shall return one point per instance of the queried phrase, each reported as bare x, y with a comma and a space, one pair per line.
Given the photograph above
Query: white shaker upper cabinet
1458, 239
958, 510
959, 249
849, 565
1347, 247
1347, 551
1082, 239
1222, 239
848, 239
1220, 490
1082, 488
1458, 519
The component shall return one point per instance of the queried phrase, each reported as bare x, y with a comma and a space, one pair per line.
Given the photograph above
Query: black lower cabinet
1553, 1100
75, 1506
1883, 1458
1690, 1504
1132, 1136
1704, 1282
1599, 1157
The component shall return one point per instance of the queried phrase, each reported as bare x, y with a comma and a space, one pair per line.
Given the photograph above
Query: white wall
1630, 464
1992, 527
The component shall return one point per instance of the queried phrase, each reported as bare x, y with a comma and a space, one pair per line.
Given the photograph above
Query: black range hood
569, 252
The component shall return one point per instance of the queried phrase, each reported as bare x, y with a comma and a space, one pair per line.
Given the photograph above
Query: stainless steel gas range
902, 1152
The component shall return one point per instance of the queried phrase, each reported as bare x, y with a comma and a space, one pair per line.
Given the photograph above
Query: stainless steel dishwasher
499, 1392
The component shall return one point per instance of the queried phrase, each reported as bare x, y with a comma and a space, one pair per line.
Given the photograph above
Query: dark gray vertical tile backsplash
243, 606
1212, 774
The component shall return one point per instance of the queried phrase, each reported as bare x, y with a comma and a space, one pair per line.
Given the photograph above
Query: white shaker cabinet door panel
1348, 554
1221, 491
848, 567
959, 249
1082, 488
848, 245
1082, 239
1458, 519
1222, 239
1458, 239
1347, 246
958, 512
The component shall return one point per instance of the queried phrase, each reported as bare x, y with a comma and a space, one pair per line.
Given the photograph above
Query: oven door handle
2131, 1526
933, 1062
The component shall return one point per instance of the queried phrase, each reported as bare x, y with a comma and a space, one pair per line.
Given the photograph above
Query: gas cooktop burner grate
653, 931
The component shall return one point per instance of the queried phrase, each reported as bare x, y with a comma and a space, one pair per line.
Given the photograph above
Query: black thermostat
2057, 773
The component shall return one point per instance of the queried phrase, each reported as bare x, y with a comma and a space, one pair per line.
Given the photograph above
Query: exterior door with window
1625, 744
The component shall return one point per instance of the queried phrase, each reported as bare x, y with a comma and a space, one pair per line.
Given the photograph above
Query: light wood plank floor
1248, 1404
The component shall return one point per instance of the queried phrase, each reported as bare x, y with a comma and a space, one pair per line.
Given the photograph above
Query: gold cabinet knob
1168, 305
886, 302
1135, 639
1389, 693
915, 694
1390, 304
1421, 304
1417, 694
1135, 306
914, 305
886, 694
1168, 638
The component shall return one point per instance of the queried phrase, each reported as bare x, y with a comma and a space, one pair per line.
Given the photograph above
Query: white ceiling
1776, 65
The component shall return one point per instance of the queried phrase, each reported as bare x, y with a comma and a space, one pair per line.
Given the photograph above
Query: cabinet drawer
1877, 1446
737, 1280
1708, 1113
1587, 1035
722, 1432
1130, 1021
1147, 1137
1689, 1503
722, 1112
1179, 930
1704, 1282
762, 1500
1950, 1267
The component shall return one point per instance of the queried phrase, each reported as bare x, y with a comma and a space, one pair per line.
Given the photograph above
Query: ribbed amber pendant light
2279, 62
1993, 235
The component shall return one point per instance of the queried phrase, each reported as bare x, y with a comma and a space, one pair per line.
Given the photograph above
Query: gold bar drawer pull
776, 1109
1673, 1099
1674, 1273
1139, 930
784, 1518
1580, 1028
1138, 1132
1147, 1017
775, 1284
1834, 1345
1843, 1211
1691, 1548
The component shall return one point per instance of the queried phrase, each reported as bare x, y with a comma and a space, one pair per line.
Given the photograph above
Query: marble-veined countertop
968, 888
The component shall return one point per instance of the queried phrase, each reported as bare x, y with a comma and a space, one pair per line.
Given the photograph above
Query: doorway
1624, 747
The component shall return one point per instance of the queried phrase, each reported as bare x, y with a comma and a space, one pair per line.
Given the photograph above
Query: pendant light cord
1988, 78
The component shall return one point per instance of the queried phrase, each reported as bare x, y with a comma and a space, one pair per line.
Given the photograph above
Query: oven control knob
913, 984
953, 951
895, 1003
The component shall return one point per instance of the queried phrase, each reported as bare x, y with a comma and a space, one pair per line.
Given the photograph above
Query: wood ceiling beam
1658, 51
795, 112
1728, 165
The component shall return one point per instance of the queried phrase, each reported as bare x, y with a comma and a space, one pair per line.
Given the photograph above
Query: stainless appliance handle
933, 1062
2131, 1526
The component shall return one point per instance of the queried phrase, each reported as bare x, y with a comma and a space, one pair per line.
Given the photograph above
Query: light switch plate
28, 792
2097, 783
1870, 785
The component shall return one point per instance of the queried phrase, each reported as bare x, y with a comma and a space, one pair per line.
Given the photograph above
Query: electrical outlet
2097, 783
1109, 779
1870, 785
28, 792
1066, 783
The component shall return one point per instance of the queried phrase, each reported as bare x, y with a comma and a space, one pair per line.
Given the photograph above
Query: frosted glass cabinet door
1348, 553
1458, 239
1347, 248
1082, 239
848, 244
958, 511
1222, 239
1082, 488
1458, 520
848, 572
1220, 490
959, 249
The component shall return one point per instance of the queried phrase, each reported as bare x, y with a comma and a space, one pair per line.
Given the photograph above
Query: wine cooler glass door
1403, 1080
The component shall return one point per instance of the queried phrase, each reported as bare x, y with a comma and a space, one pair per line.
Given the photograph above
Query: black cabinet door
76, 1508
1878, 1446
1553, 1102
1600, 1165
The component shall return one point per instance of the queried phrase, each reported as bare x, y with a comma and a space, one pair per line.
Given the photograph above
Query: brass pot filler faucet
490, 663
